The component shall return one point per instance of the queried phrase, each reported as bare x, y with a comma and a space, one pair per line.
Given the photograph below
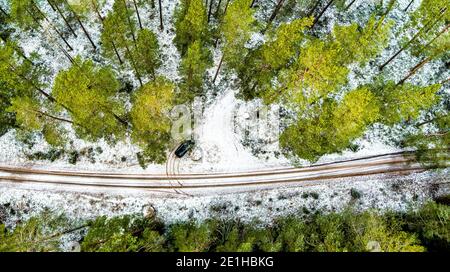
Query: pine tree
349, 5
6, 32
67, 5
20, 75
358, 109
316, 73
317, 18
90, 92
403, 103
362, 43
331, 127
191, 39
427, 20
193, 67
22, 93
263, 64
147, 53
119, 34
24, 14
431, 147
7, 91
149, 117
321, 68
190, 24
28, 16
437, 48
84, 7
55, 5
237, 27
277, 8
161, 24
409, 4
32, 117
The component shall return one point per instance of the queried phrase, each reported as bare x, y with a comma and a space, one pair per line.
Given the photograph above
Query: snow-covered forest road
395, 163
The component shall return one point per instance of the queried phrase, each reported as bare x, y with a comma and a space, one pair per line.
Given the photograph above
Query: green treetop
237, 27
431, 13
118, 29
25, 13
321, 68
360, 44
404, 102
332, 126
84, 7
23, 99
147, 53
191, 24
428, 21
316, 73
423, 140
150, 120
7, 119
90, 92
279, 51
283, 44
193, 68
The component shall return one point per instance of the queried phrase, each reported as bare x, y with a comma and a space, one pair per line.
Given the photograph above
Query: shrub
355, 194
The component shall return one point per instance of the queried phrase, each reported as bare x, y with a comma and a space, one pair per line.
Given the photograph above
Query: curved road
394, 163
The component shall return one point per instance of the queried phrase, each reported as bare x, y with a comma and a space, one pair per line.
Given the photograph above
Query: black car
184, 148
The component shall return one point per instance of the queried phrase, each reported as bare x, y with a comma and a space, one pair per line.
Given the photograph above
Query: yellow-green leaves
191, 24
262, 65
150, 119
24, 14
193, 67
404, 102
360, 44
332, 126
89, 91
26, 109
146, 53
237, 28
318, 72
151, 105
284, 43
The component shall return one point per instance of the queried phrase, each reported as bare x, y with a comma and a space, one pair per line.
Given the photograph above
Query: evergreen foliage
150, 119
89, 92
424, 229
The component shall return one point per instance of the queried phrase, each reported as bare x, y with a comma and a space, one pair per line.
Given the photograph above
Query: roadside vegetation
425, 229
299, 64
